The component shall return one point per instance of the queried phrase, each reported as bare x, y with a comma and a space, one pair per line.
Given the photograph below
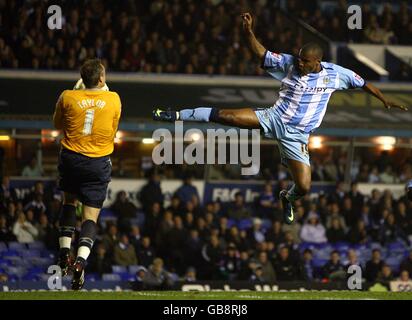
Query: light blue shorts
293, 143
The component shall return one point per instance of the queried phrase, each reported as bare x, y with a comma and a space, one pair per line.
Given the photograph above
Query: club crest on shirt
326, 80
358, 77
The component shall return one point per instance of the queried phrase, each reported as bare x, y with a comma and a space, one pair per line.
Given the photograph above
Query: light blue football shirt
303, 100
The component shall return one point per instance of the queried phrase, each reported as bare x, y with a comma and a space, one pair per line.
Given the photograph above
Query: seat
111, 277
36, 245
319, 263
3, 246
17, 245
133, 269
119, 269
244, 224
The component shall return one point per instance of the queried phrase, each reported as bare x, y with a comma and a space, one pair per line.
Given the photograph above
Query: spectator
152, 220
373, 266
308, 266
138, 284
349, 212
211, 254
267, 202
135, 238
24, 231
403, 218
275, 234
6, 233
256, 233
334, 212
334, 269
385, 276
245, 271
285, 267
174, 242
358, 234
7, 194
357, 199
190, 275
47, 233
110, 239
390, 232
157, 278
146, 253
192, 249
36, 206
257, 274
230, 263
352, 259
33, 169
388, 175
404, 276
100, 261
151, 192
335, 233
186, 192
406, 264
312, 230
125, 211
268, 272
238, 209
124, 253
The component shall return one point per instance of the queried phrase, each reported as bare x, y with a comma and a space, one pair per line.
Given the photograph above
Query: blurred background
167, 225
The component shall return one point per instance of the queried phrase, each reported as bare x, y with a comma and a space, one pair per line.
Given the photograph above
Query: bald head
312, 49
309, 59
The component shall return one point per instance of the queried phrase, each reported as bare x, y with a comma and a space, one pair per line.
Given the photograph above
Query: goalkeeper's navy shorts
85, 177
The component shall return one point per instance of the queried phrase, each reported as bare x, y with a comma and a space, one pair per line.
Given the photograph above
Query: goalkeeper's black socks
67, 224
86, 239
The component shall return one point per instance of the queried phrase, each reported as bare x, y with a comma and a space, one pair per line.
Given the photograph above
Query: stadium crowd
186, 240
177, 36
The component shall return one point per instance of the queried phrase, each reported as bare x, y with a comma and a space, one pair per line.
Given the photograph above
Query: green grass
178, 295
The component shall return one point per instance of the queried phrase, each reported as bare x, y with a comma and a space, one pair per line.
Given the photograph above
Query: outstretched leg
242, 118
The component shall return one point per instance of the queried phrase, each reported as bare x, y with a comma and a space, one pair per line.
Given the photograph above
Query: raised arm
254, 45
371, 89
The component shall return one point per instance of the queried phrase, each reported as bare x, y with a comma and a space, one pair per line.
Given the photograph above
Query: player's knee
227, 116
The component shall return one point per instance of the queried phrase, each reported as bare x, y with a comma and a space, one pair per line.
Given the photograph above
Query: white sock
83, 252
65, 242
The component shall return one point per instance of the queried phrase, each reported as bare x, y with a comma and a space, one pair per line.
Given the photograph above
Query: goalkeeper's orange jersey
89, 120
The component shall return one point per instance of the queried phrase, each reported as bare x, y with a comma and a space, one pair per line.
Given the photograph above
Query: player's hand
247, 21
389, 105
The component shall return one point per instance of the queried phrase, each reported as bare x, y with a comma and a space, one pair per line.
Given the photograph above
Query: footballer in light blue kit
307, 84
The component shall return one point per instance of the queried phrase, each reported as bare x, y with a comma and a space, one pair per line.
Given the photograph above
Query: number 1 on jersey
88, 122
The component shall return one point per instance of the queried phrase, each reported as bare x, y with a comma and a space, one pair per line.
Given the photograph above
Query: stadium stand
168, 40
188, 236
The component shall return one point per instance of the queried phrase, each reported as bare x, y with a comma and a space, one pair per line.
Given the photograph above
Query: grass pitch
179, 295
